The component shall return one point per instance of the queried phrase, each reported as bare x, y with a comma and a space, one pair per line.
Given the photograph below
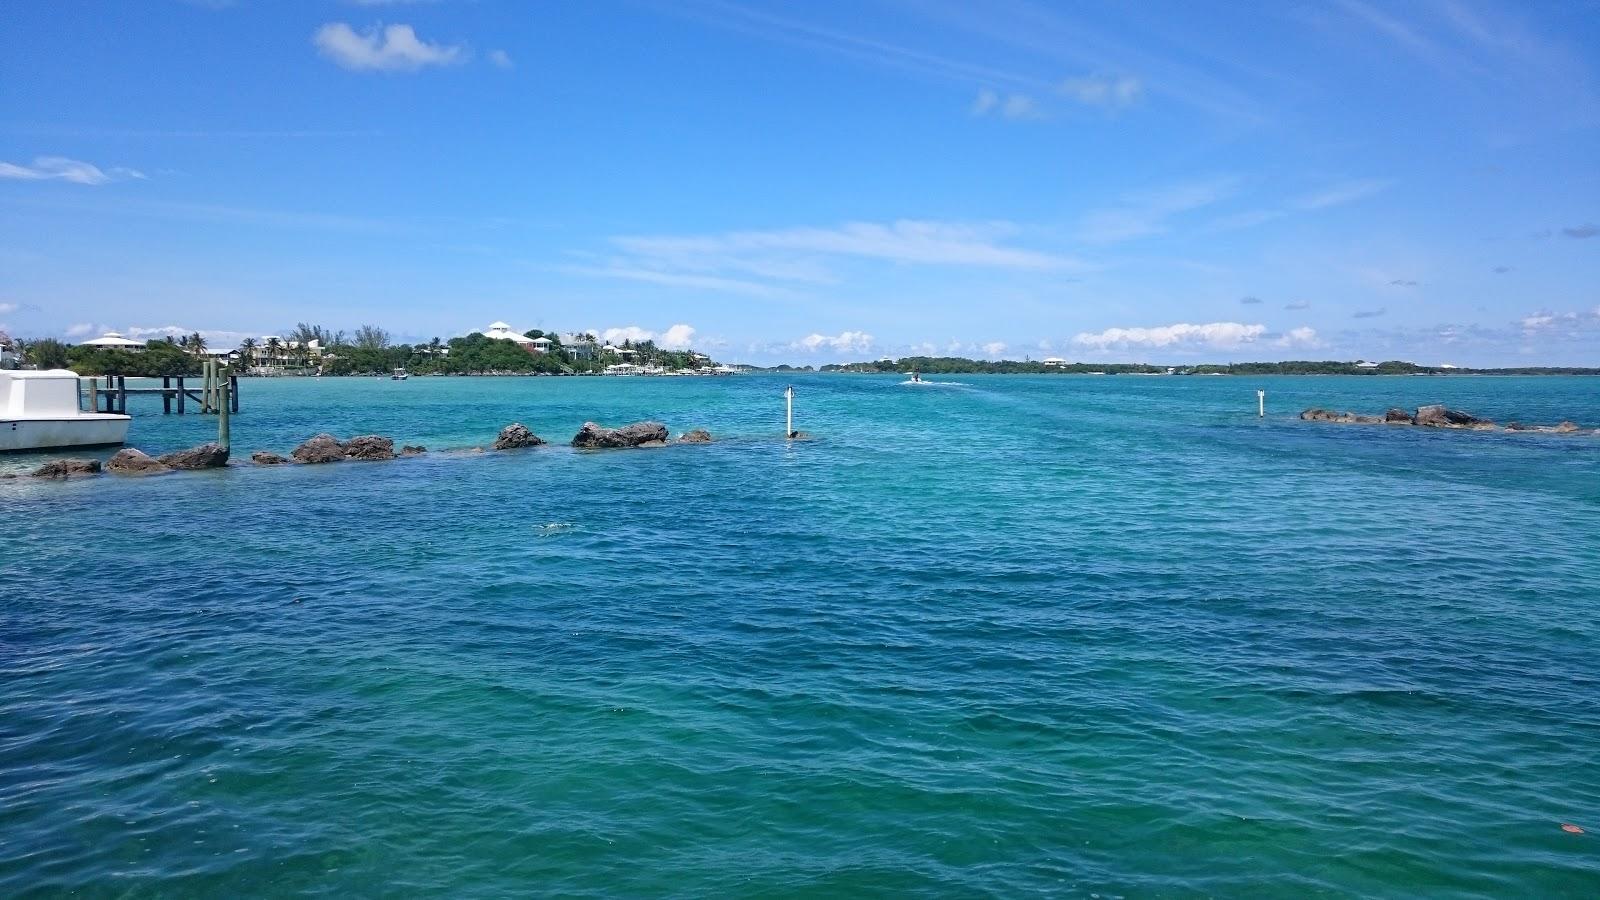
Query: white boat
399, 375
39, 411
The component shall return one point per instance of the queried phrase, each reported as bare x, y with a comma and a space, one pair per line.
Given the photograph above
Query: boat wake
926, 383
551, 529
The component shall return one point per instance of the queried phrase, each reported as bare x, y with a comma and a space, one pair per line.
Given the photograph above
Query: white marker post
788, 399
1261, 404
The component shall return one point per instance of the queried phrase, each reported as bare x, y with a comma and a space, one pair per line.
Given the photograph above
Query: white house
10, 357
542, 344
111, 340
1054, 362
578, 346
500, 331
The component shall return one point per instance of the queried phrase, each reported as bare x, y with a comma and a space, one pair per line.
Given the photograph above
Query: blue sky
810, 182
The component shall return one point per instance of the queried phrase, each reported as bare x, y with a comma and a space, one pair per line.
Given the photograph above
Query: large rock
639, 434
267, 458
323, 448
67, 468
515, 437
1397, 417
129, 461
697, 436
1438, 415
369, 447
205, 456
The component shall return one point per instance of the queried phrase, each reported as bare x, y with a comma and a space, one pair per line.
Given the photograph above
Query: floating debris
1570, 828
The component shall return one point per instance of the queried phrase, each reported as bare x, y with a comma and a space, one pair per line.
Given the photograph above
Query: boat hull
84, 430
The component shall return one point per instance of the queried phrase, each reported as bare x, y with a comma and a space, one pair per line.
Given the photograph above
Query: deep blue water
1066, 635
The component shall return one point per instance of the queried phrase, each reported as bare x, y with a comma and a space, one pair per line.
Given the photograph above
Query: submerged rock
515, 437
1397, 416
205, 456
323, 448
266, 458
1318, 414
413, 450
640, 434
129, 461
67, 468
369, 447
697, 436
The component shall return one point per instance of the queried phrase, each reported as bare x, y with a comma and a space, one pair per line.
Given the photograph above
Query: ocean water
1075, 636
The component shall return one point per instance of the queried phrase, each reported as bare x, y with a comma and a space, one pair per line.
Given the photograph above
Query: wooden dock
175, 391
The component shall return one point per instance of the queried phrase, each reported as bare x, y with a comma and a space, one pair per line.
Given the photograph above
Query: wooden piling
122, 394
166, 398
94, 395
233, 392
223, 438
182, 395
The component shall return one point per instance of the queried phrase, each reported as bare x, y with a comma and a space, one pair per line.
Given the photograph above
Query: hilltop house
500, 331
112, 340
578, 346
541, 345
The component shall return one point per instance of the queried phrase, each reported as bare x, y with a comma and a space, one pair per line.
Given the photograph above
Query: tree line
368, 350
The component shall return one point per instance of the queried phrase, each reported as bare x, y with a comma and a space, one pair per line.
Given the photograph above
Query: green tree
47, 353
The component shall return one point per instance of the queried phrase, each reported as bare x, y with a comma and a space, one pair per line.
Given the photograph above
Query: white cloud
676, 337
391, 48
994, 348
1147, 213
843, 342
7, 308
501, 59
48, 168
985, 103
1304, 336
1220, 335
84, 329
1108, 91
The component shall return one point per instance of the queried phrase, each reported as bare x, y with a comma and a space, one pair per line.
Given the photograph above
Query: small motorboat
399, 375
39, 410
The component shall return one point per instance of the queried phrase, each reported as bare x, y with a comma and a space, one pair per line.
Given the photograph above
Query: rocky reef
1435, 415
516, 436
640, 434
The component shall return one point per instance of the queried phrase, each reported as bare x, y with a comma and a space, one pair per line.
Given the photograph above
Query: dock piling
1261, 404
223, 438
788, 401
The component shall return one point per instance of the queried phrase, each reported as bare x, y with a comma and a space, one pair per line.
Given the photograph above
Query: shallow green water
1077, 636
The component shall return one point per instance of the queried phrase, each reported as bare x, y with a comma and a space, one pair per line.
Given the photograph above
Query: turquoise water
1066, 635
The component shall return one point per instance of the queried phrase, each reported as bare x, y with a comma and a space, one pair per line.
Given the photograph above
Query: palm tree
273, 346
247, 351
197, 344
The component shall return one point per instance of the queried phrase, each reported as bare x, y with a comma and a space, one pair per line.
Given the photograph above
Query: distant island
956, 365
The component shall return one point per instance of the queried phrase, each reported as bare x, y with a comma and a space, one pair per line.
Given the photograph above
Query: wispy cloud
676, 279
1249, 301
500, 59
1368, 313
1298, 304
1010, 106
390, 48
1145, 214
60, 168
769, 261
1403, 282
1580, 232
1214, 335
1110, 91
1342, 193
